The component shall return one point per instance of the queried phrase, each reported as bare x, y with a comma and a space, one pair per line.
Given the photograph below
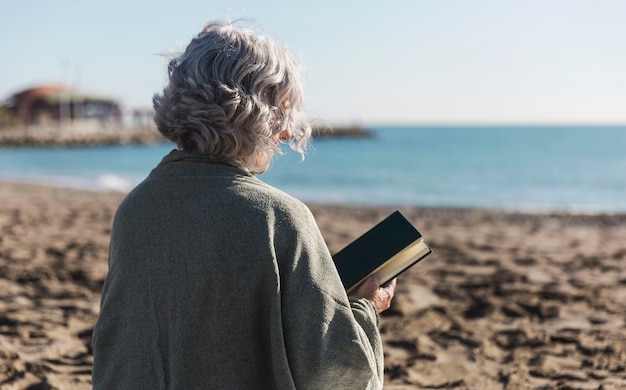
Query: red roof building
53, 103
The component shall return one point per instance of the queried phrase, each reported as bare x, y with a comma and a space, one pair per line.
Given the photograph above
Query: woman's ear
285, 135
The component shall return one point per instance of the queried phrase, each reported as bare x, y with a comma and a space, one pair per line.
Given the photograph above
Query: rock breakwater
87, 134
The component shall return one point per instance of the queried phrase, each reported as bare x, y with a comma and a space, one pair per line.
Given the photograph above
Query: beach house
45, 104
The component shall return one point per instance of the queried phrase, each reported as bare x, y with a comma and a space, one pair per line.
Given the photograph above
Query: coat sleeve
331, 341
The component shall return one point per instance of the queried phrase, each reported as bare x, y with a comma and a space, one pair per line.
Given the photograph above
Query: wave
110, 181
103, 182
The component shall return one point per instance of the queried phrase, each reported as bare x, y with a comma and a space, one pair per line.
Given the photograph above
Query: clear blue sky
367, 62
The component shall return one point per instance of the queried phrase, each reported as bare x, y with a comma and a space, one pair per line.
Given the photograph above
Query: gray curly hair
229, 94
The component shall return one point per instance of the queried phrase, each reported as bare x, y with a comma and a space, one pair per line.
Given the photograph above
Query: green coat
219, 281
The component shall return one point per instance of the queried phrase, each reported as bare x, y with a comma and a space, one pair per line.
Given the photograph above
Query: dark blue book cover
389, 248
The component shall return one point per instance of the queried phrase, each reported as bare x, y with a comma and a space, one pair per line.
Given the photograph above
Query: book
387, 249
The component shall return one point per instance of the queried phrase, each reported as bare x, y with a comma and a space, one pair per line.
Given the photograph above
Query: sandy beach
506, 301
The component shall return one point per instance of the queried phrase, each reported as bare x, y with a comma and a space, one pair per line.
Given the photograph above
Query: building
54, 103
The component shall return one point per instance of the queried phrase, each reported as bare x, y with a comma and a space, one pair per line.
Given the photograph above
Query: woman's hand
380, 296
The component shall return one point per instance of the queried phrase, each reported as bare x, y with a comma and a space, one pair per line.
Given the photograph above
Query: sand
506, 301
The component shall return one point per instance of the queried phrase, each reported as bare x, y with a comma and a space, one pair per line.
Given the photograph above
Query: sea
513, 168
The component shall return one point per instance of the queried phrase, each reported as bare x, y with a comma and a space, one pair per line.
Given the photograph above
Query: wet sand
506, 301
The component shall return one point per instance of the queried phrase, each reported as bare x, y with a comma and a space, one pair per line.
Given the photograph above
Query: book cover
388, 249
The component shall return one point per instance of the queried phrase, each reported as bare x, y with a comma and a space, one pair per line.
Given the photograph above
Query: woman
217, 280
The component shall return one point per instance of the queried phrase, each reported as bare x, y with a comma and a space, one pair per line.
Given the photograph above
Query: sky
394, 62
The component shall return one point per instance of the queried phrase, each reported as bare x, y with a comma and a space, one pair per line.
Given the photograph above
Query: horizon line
468, 124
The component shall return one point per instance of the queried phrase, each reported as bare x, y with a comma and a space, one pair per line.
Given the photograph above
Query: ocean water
580, 168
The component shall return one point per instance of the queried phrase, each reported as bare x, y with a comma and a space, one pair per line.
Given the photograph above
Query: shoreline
507, 299
124, 188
